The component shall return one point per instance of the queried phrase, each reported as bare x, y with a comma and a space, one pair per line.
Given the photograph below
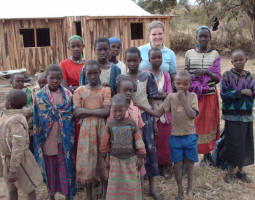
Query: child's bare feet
243, 177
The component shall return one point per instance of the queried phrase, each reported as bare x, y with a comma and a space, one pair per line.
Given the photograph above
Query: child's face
119, 111
132, 61
92, 73
18, 82
203, 38
102, 51
76, 47
42, 81
115, 49
156, 58
182, 83
126, 88
54, 79
238, 60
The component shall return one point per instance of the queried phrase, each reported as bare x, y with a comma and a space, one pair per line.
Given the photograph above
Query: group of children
116, 146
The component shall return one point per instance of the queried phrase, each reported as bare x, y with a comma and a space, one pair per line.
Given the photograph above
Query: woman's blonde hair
155, 24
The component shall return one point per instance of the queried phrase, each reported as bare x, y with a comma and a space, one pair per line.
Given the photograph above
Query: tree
231, 9
154, 5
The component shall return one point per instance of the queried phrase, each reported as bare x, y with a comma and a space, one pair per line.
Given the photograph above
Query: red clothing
71, 71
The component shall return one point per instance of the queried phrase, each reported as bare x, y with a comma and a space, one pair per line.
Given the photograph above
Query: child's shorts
183, 147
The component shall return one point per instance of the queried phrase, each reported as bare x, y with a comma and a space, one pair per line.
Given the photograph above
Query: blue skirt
151, 161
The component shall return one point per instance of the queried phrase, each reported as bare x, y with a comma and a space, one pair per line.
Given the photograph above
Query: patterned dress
89, 163
146, 88
57, 170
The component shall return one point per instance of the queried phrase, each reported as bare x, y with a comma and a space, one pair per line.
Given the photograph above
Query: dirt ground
208, 183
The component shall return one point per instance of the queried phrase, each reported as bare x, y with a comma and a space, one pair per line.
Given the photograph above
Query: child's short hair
119, 99
153, 49
133, 50
91, 62
101, 39
238, 51
183, 74
121, 78
16, 74
17, 98
53, 68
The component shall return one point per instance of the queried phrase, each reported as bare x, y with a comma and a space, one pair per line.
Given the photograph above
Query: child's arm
140, 148
19, 137
155, 113
187, 105
100, 112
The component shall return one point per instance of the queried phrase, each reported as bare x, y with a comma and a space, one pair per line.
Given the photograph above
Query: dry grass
208, 182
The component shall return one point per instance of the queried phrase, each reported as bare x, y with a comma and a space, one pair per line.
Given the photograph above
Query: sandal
243, 177
229, 178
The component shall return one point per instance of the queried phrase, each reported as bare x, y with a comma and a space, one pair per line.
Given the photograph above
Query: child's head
17, 81
125, 86
102, 49
203, 35
119, 106
182, 80
132, 59
238, 59
15, 99
75, 44
92, 72
54, 77
42, 79
115, 46
155, 57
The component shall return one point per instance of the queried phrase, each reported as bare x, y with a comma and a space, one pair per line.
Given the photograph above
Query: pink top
51, 144
133, 113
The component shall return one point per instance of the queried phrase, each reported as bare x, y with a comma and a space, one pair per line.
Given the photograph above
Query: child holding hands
237, 93
183, 140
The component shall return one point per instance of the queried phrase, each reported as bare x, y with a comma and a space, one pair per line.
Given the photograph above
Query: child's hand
12, 177
139, 163
247, 92
181, 96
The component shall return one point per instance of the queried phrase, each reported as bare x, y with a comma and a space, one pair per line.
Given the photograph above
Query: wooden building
35, 36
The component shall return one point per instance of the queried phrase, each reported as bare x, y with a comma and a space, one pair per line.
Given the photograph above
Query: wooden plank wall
14, 56
110, 27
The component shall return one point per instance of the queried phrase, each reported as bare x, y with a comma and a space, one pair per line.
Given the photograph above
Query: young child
92, 105
162, 125
115, 48
123, 141
237, 93
109, 72
72, 66
41, 80
17, 81
20, 169
145, 89
53, 134
183, 140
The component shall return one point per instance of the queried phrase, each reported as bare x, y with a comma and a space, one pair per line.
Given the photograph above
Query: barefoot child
20, 169
92, 105
123, 142
237, 93
109, 71
115, 48
183, 140
162, 125
53, 135
145, 89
